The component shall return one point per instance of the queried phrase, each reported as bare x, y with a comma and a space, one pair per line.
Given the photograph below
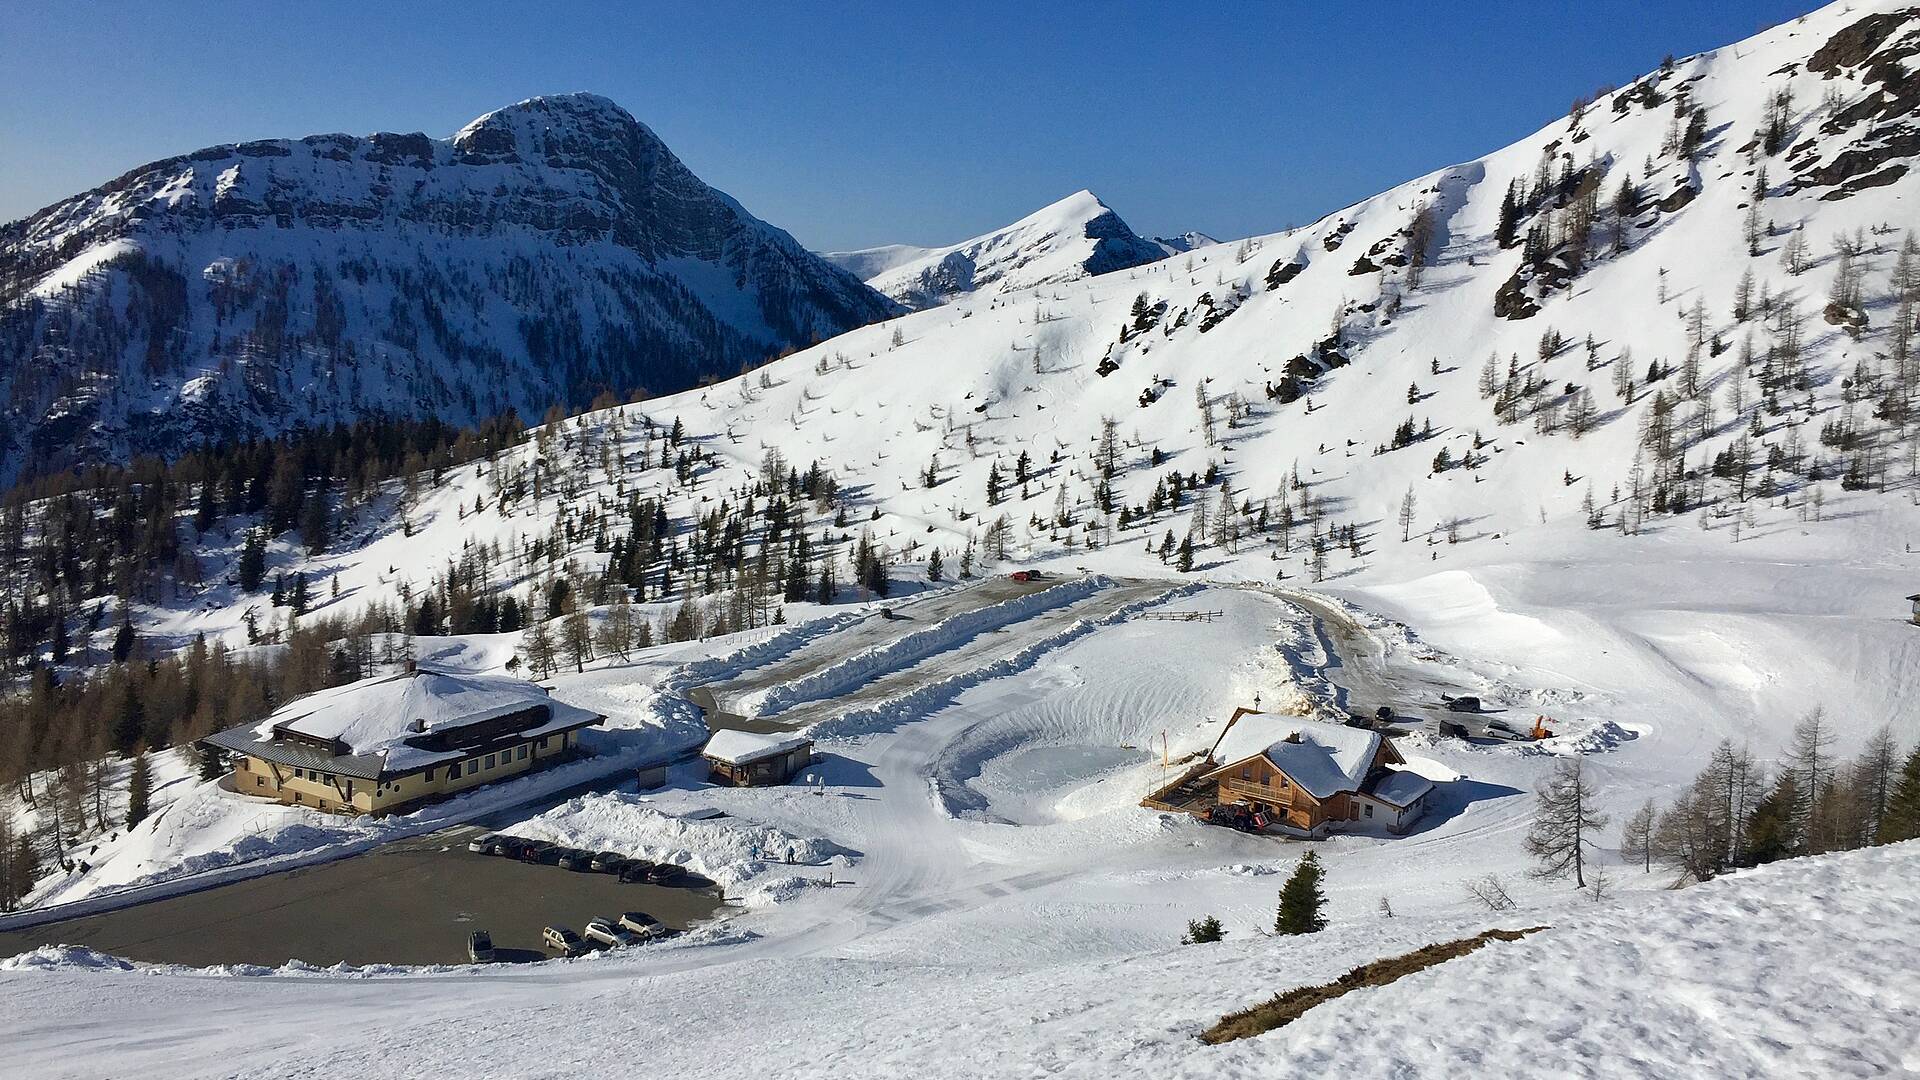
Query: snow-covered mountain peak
547, 252
556, 124
1068, 239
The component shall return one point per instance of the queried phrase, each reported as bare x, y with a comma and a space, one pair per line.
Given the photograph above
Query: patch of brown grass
1290, 1005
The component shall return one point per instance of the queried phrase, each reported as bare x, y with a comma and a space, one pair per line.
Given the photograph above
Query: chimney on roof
412, 666
416, 726
1293, 737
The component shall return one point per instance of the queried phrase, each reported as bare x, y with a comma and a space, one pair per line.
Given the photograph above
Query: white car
605, 932
641, 925
479, 844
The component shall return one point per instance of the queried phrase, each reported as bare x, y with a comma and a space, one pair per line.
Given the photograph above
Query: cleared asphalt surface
409, 902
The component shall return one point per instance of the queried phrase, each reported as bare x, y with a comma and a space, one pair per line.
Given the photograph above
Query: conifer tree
131, 723
1636, 836
1772, 832
253, 561
139, 790
1901, 821
1563, 818
1301, 899
1203, 930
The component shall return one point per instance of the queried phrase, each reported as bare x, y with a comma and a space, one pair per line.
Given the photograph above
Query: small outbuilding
1915, 601
746, 759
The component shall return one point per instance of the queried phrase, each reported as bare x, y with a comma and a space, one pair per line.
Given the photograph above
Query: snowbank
731, 852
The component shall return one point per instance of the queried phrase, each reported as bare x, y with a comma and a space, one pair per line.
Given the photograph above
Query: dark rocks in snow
1284, 270
1679, 197
1861, 42
1511, 301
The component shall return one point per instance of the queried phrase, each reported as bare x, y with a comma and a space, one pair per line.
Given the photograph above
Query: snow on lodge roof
1401, 787
740, 747
394, 724
1322, 758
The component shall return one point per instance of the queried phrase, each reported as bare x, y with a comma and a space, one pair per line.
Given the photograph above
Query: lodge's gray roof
242, 740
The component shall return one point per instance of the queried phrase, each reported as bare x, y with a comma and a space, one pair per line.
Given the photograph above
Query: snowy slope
1013, 906
1074, 238
1500, 560
1755, 975
546, 252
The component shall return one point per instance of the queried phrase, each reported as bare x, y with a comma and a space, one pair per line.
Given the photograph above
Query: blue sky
857, 124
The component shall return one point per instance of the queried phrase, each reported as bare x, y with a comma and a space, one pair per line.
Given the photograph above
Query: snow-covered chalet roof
1322, 758
1401, 787
741, 747
396, 723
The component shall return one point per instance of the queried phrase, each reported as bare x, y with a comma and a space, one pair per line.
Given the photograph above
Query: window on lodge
489, 761
429, 775
542, 744
472, 767
523, 752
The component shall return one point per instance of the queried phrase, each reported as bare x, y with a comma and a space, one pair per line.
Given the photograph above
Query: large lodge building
393, 741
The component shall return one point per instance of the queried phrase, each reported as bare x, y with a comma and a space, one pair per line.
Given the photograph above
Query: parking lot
411, 902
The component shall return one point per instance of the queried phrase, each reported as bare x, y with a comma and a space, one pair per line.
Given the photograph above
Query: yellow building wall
340, 794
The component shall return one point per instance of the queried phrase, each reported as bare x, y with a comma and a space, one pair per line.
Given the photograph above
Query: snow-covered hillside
547, 252
1612, 426
1077, 237
1247, 427
1756, 975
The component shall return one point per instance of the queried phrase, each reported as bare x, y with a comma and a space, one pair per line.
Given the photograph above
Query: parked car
508, 847
539, 851
480, 947
1454, 728
563, 939
664, 874
607, 862
635, 870
1497, 729
479, 844
641, 924
574, 859
601, 929
1462, 704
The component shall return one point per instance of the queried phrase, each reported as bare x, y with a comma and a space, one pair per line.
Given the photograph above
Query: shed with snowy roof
393, 741
1311, 778
748, 759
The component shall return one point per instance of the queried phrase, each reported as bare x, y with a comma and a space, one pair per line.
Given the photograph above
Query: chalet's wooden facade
1313, 806
740, 759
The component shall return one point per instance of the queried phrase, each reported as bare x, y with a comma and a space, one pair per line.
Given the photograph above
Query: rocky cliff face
546, 252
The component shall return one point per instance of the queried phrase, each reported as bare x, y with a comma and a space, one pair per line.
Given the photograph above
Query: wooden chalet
1310, 778
746, 759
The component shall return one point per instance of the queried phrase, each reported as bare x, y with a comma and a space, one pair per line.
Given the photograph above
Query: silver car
602, 929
